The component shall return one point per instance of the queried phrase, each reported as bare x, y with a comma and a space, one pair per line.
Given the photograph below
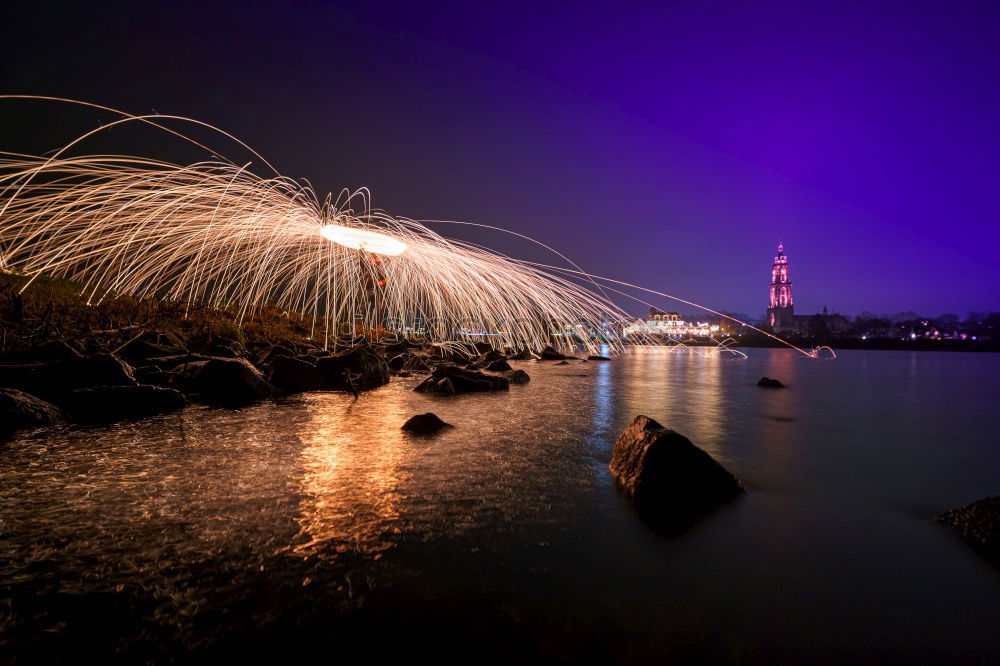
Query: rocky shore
64, 360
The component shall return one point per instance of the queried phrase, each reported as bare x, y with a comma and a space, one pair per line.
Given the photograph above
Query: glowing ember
362, 239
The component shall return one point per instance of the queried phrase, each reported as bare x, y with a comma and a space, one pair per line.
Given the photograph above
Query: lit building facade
781, 308
671, 325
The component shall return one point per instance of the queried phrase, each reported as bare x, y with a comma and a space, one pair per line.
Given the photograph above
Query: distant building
780, 308
781, 315
671, 325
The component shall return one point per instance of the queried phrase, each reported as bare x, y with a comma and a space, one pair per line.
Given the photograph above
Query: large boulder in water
20, 410
516, 376
228, 382
357, 369
425, 424
978, 523
103, 404
453, 379
768, 382
671, 481
295, 375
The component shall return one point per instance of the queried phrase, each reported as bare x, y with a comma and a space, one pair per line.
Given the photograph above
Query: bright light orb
362, 239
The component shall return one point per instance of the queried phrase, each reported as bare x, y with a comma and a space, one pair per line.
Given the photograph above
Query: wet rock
562, 363
594, 357
104, 404
978, 523
425, 424
517, 376
461, 380
523, 355
20, 410
767, 382
228, 382
500, 365
671, 481
357, 369
296, 375
550, 354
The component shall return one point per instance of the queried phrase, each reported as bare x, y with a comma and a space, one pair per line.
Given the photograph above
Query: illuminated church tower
780, 312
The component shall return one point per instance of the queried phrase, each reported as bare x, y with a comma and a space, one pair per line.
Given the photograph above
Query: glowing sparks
215, 232
363, 239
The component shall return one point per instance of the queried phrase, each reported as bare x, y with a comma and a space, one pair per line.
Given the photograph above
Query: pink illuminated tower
780, 311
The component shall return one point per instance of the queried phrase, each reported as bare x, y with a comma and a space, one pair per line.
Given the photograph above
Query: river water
313, 523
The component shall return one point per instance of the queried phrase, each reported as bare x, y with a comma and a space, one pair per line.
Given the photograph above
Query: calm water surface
313, 522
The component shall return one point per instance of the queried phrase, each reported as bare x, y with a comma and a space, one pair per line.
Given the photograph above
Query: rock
425, 424
20, 410
357, 369
295, 375
449, 353
499, 366
550, 354
175, 362
978, 523
52, 380
523, 355
671, 481
517, 376
228, 382
562, 363
461, 380
53, 350
283, 348
104, 404
140, 350
594, 357
767, 382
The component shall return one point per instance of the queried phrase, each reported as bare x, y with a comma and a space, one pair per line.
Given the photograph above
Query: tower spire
780, 310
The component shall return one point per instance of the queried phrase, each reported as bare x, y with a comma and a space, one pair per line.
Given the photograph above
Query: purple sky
667, 146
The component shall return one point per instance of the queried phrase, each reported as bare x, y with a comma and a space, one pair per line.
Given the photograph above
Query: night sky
667, 144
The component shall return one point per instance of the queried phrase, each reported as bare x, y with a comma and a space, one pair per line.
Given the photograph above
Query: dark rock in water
594, 357
500, 365
460, 380
104, 404
295, 375
20, 410
228, 382
517, 376
52, 380
767, 382
978, 523
357, 369
562, 363
425, 424
550, 354
671, 481
523, 355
